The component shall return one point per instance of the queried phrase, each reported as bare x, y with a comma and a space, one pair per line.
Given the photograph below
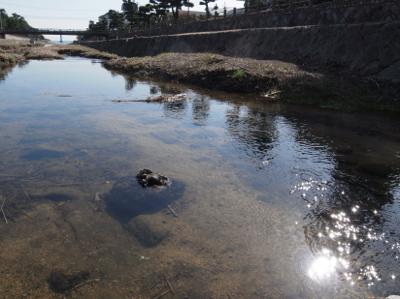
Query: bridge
59, 32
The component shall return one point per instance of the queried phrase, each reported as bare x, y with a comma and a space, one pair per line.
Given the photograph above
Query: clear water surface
272, 201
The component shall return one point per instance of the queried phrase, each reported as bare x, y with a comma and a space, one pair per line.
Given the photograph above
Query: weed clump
239, 74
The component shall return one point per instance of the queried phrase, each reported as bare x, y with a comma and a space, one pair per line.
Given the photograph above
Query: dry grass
12, 52
8, 59
76, 50
47, 53
215, 71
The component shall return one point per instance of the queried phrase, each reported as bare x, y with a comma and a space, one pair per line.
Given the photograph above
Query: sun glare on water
325, 266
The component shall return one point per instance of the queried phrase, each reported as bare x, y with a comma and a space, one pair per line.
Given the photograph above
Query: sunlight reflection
323, 267
326, 265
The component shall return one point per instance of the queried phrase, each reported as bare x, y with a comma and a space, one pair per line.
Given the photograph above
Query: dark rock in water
147, 178
147, 230
60, 282
128, 198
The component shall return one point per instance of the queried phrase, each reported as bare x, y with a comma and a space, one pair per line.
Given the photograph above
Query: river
270, 201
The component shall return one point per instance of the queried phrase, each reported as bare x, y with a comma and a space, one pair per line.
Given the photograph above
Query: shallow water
273, 201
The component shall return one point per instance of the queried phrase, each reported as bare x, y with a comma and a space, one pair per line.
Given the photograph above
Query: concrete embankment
371, 50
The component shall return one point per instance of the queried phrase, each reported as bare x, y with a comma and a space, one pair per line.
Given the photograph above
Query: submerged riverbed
267, 201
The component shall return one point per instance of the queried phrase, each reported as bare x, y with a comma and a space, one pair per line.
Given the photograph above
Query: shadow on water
4, 72
200, 110
254, 130
128, 199
175, 110
55, 197
41, 154
130, 83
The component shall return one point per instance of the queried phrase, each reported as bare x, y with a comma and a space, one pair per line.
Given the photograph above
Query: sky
75, 14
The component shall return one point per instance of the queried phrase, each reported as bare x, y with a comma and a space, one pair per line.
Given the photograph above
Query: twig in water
172, 211
85, 283
272, 93
2, 210
169, 284
8, 175
127, 101
26, 194
162, 294
97, 196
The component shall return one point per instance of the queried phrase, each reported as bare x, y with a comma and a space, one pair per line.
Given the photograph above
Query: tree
112, 20
116, 20
174, 5
206, 2
15, 21
130, 10
215, 9
145, 13
160, 8
3, 16
255, 4
91, 25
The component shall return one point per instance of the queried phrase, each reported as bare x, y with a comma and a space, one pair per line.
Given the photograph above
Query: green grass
239, 74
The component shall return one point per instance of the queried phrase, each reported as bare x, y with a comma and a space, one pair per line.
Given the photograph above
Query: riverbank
270, 80
12, 53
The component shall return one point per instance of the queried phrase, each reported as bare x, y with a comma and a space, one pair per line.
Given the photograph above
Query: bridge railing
52, 31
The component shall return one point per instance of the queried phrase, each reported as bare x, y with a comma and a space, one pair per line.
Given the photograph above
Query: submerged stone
128, 198
60, 282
